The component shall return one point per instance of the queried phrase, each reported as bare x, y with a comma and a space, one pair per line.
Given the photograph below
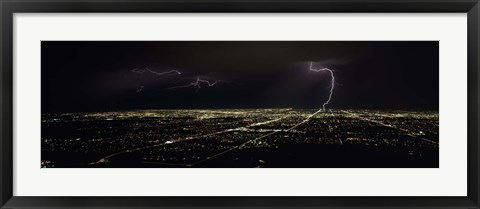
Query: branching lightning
163, 73
140, 88
197, 83
140, 71
137, 70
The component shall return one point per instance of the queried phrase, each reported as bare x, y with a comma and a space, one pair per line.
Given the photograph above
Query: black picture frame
9, 7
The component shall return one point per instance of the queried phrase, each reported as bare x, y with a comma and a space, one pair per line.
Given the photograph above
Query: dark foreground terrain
244, 138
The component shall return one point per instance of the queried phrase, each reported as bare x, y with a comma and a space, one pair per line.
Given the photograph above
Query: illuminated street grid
241, 138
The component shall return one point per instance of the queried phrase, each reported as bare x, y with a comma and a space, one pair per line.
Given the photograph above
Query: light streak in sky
197, 83
164, 73
332, 84
137, 70
140, 88
140, 71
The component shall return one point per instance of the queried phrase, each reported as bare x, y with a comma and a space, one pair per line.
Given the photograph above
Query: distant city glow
200, 138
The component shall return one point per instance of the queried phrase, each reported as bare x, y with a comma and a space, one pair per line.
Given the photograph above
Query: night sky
80, 76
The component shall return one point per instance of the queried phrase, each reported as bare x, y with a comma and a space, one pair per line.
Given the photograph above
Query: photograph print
239, 104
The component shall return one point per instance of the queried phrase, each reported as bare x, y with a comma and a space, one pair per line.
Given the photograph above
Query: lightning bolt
197, 83
163, 73
332, 85
136, 70
141, 71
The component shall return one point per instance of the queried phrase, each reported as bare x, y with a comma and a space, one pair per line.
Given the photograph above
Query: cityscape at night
241, 138
240, 104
